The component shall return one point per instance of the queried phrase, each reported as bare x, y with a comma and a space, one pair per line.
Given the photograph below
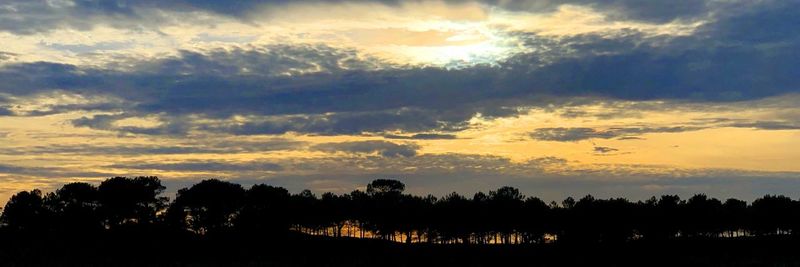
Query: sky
614, 98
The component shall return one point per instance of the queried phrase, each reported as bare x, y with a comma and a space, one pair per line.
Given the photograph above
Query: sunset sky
623, 98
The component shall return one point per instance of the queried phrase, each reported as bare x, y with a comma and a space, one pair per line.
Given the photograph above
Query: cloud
207, 92
29, 17
382, 148
48, 172
569, 134
604, 149
403, 119
205, 147
203, 166
349, 123
167, 125
422, 136
767, 125
4, 56
562, 134
439, 174
320, 89
12, 169
547, 177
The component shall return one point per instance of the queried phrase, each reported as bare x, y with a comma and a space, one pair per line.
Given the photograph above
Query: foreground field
131, 249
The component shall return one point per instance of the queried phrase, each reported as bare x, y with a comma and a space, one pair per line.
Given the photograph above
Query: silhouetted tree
772, 215
360, 203
417, 213
503, 215
336, 211
75, 208
209, 206
568, 203
385, 186
702, 216
536, 215
453, 216
734, 217
304, 208
382, 212
482, 221
661, 218
505, 206
265, 209
25, 211
131, 200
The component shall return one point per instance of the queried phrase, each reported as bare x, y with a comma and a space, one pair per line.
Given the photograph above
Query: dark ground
132, 249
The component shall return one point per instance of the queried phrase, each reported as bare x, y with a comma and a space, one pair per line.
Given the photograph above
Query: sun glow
481, 53
469, 44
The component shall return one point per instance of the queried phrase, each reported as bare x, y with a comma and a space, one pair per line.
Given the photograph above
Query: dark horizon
383, 211
127, 221
171, 188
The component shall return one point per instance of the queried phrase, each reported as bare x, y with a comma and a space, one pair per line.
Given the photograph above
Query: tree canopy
383, 211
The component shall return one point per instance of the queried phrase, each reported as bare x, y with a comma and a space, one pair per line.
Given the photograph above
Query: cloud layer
551, 96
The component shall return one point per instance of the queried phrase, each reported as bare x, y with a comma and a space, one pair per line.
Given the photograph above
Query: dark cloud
274, 144
6, 56
58, 109
546, 161
745, 46
404, 119
282, 61
322, 90
561, 134
167, 126
759, 22
199, 166
28, 17
369, 98
604, 149
767, 125
6, 112
48, 172
81, 48
212, 147
422, 136
101, 122
653, 11
12, 169
447, 166
337, 102
383, 148
569, 134
630, 138
581, 133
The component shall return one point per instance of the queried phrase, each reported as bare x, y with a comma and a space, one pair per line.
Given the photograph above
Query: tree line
383, 211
